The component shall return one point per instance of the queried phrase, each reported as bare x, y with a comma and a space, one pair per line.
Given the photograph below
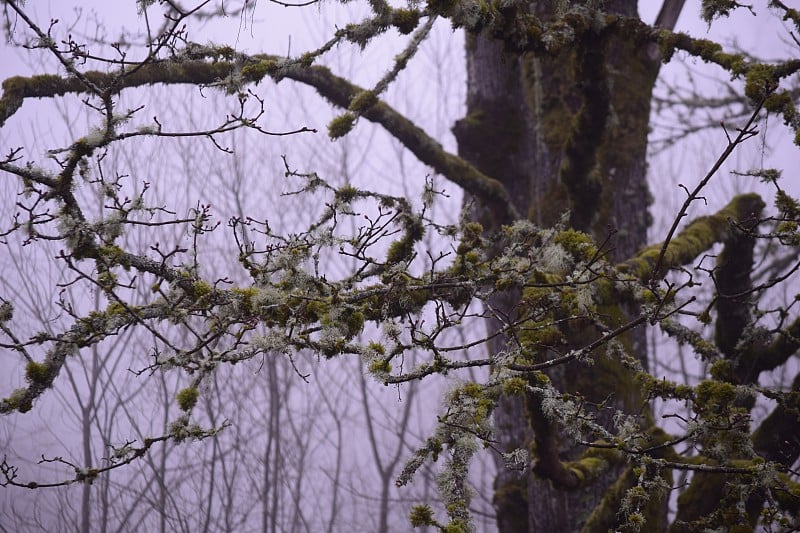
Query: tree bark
531, 123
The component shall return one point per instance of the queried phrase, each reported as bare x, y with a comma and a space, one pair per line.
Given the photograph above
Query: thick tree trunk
520, 115
497, 136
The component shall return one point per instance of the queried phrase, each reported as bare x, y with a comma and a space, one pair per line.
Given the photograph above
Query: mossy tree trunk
563, 133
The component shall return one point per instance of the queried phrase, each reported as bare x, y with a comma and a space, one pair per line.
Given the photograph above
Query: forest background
308, 443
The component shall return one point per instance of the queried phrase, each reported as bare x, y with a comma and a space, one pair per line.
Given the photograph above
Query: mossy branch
785, 345
711, 498
341, 92
699, 236
776, 439
607, 515
335, 89
733, 282
84, 332
574, 475
18, 88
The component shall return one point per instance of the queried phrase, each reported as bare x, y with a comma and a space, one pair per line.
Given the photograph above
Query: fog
305, 444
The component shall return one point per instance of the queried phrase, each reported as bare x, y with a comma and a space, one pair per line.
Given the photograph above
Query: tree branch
336, 90
732, 277
785, 344
668, 14
700, 235
341, 92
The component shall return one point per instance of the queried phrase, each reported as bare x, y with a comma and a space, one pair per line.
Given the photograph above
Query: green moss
712, 9
307, 59
187, 398
15, 84
346, 193
18, 400
514, 386
37, 373
478, 398
472, 230
472, 390
6, 311
788, 206
541, 379
709, 51
200, 291
39, 85
683, 391
380, 366
116, 309
504, 284
606, 377
245, 297
442, 7
353, 322
667, 42
588, 468
471, 238
333, 348
536, 335
363, 101
377, 347
705, 505
534, 298
421, 515
255, 72
249, 292
456, 526
760, 82
722, 370
111, 254
778, 102
472, 257
107, 280
201, 288
308, 311
714, 395
656, 387
400, 250
698, 237
397, 302
405, 20
574, 303
789, 497
341, 125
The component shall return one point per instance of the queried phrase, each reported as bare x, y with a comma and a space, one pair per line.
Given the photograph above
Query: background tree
549, 252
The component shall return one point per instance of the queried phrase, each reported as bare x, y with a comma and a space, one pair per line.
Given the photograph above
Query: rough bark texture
532, 123
496, 136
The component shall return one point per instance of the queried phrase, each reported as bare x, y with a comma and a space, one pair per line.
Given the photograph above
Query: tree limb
695, 239
732, 277
336, 90
668, 14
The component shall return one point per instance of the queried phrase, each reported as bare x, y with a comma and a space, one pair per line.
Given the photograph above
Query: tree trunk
521, 120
